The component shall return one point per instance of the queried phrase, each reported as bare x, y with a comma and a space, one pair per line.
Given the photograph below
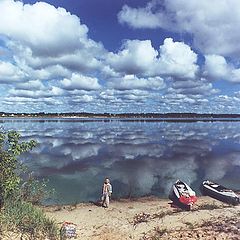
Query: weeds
139, 218
190, 225
17, 196
156, 235
28, 220
211, 206
145, 217
160, 231
162, 214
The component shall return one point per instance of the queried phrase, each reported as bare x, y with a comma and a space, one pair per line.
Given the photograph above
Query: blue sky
120, 56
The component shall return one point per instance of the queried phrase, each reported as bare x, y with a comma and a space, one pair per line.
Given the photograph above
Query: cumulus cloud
82, 99
31, 85
196, 87
213, 24
139, 17
120, 96
38, 27
135, 57
10, 73
217, 68
80, 82
69, 61
133, 82
46, 55
175, 59
47, 42
25, 93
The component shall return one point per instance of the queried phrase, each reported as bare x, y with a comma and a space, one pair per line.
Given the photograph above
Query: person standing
106, 193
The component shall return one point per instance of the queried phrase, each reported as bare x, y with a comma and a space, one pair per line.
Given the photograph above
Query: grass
140, 218
190, 225
27, 220
156, 235
145, 217
210, 228
163, 214
160, 231
212, 206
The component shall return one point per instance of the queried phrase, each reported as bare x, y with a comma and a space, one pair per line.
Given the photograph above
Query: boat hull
211, 192
180, 200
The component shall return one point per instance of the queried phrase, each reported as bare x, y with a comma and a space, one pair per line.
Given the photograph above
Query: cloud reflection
140, 158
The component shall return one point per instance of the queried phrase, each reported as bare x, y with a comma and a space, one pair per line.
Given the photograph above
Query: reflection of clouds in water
144, 173
140, 158
183, 168
131, 151
194, 147
77, 151
217, 167
117, 137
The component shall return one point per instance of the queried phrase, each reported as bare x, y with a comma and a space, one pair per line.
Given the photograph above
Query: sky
120, 56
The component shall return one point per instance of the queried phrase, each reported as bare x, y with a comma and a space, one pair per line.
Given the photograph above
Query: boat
219, 192
182, 195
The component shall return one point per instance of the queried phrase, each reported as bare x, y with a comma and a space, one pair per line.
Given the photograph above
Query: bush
17, 212
34, 190
27, 220
11, 167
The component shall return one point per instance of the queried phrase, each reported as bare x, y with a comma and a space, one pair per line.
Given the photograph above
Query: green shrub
27, 219
17, 196
11, 167
34, 190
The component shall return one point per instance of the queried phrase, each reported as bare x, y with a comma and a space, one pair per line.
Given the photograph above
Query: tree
11, 167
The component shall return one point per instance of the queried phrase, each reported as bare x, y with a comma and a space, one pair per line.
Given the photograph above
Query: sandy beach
150, 218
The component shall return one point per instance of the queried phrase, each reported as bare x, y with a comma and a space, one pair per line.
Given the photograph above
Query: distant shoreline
120, 119
177, 117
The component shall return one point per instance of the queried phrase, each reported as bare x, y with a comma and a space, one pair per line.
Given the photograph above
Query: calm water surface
141, 158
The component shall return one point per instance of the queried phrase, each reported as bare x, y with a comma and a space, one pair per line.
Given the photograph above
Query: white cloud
10, 73
135, 57
90, 50
23, 93
80, 82
198, 87
217, 68
120, 96
139, 18
176, 59
214, 24
47, 42
51, 72
82, 99
42, 27
31, 85
46, 55
132, 82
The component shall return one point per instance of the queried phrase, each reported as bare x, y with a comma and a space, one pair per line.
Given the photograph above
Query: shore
150, 218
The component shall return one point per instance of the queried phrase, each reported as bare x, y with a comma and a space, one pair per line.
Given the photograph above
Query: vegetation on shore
222, 228
19, 194
123, 115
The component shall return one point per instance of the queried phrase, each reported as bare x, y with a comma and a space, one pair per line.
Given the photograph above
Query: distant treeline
121, 115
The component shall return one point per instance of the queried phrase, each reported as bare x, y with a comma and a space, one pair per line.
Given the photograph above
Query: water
140, 157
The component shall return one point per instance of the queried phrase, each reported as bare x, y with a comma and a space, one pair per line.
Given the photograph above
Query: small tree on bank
11, 167
17, 197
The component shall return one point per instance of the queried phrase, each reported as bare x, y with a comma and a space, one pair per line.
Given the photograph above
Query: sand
151, 218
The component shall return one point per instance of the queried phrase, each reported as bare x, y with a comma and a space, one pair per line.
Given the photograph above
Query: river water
140, 157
